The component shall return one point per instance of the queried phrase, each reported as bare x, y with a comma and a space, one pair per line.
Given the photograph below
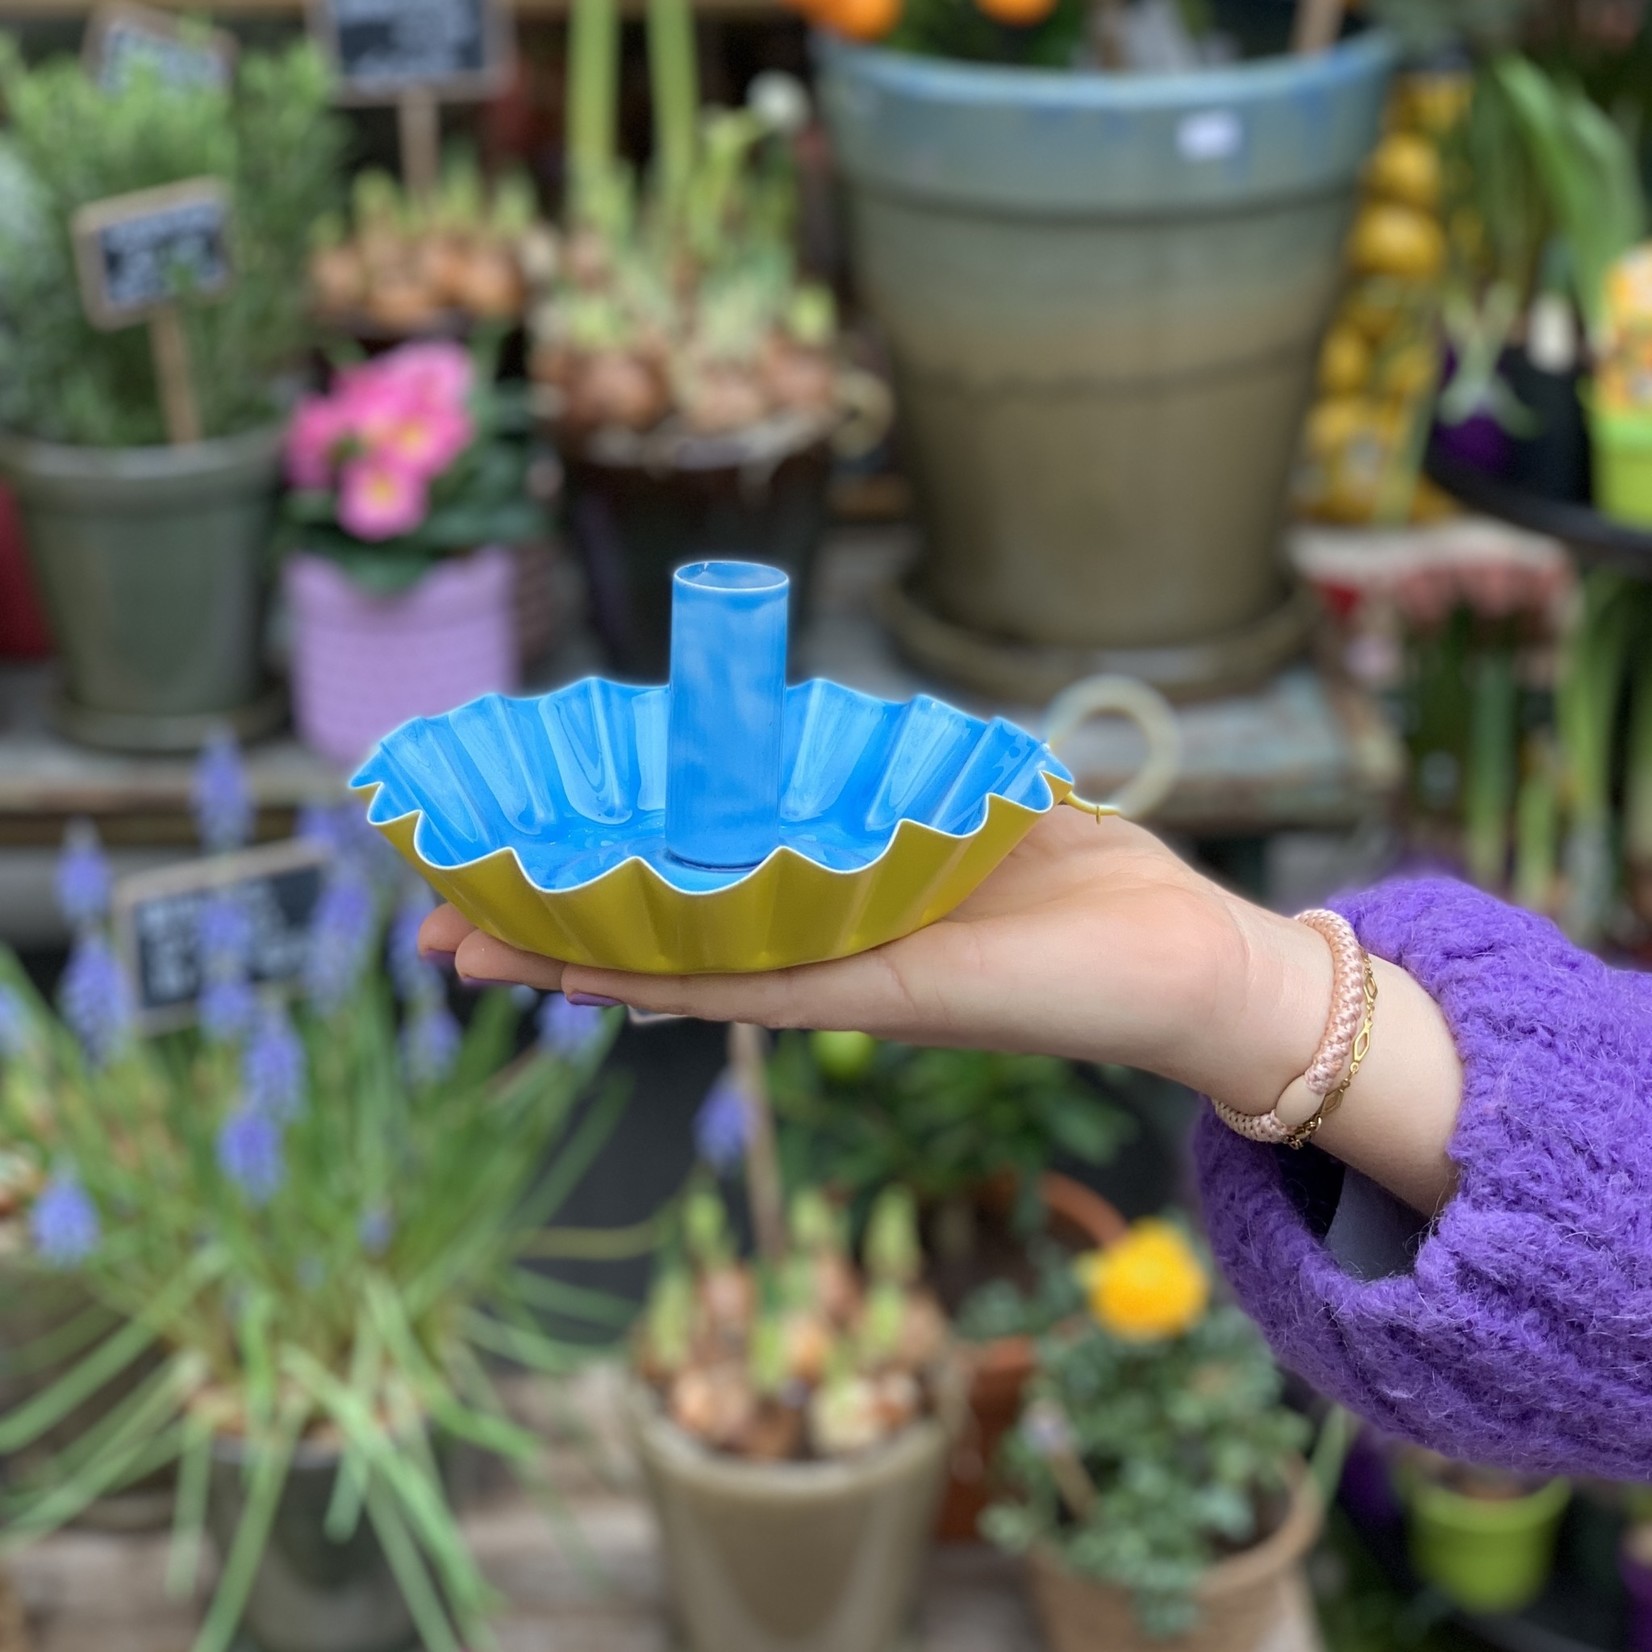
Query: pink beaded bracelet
1342, 1048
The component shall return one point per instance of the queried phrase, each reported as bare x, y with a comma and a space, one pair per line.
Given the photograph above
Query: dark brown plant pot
1000, 1370
639, 508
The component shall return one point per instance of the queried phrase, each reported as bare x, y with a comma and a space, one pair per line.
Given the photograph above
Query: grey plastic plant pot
790, 1557
1104, 296
153, 564
310, 1594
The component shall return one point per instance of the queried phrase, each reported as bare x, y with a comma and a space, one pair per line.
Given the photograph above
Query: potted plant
1484, 1538
151, 558
400, 267
690, 375
409, 479
1635, 1567
788, 1417
1159, 1494
319, 1221
973, 1135
1103, 287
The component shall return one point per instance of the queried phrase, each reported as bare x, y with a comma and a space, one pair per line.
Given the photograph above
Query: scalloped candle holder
721, 824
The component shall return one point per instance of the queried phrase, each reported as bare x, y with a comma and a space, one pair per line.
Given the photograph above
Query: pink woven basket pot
363, 664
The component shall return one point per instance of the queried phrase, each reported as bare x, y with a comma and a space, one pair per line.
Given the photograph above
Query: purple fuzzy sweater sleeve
1522, 1334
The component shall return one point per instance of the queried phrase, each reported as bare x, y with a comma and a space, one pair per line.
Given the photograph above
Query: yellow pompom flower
1148, 1287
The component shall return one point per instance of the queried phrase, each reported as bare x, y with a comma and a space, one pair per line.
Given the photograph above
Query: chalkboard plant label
385, 50
138, 257
121, 39
139, 253
156, 919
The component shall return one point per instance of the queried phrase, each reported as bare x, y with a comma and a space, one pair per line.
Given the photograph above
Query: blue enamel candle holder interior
703, 780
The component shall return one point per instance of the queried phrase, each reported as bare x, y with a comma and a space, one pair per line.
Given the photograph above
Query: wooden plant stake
138, 257
1318, 26
419, 129
417, 58
170, 348
747, 1052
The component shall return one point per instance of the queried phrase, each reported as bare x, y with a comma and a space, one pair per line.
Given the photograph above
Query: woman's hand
1094, 942
1091, 941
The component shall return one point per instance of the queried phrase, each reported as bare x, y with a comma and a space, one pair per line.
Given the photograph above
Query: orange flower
1018, 14
1148, 1287
865, 20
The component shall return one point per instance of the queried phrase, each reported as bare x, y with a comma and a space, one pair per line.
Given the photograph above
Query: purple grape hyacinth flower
375, 1231
274, 1066
430, 1042
226, 1009
250, 1154
720, 1124
567, 1029
341, 938
224, 809
415, 979
96, 998
64, 1223
223, 934
83, 878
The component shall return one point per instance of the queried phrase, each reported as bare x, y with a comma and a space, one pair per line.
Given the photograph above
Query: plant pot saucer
1023, 673
154, 734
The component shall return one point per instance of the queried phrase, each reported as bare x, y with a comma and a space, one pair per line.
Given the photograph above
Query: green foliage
359, 1301
1427, 27
1185, 1442
1001, 1308
70, 142
960, 29
941, 1122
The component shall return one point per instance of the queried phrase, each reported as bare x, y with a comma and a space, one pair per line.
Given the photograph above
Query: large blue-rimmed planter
1104, 296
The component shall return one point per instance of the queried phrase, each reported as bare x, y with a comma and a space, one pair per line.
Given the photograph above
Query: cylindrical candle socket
728, 696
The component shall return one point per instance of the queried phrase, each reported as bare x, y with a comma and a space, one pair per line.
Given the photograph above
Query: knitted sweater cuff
1522, 1333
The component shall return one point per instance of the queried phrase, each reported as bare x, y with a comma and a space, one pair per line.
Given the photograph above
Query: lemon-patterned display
1623, 373
1381, 361
551, 823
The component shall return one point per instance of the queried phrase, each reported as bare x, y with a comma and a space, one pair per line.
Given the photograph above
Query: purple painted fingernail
485, 981
592, 1001
435, 955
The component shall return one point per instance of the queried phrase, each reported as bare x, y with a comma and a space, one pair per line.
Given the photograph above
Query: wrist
1266, 1012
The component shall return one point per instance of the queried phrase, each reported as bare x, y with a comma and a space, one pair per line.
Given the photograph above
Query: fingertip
483, 961
442, 932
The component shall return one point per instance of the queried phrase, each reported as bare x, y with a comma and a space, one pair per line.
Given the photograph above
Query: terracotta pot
1000, 1370
1250, 1602
790, 1557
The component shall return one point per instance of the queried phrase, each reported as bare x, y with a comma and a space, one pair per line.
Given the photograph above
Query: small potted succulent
317, 1224
689, 374
1484, 1538
790, 1412
973, 1135
1158, 1489
151, 558
399, 267
409, 482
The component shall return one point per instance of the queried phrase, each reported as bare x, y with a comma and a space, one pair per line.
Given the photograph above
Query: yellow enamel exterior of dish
788, 911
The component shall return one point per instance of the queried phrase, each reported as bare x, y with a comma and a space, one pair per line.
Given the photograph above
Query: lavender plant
312, 1223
